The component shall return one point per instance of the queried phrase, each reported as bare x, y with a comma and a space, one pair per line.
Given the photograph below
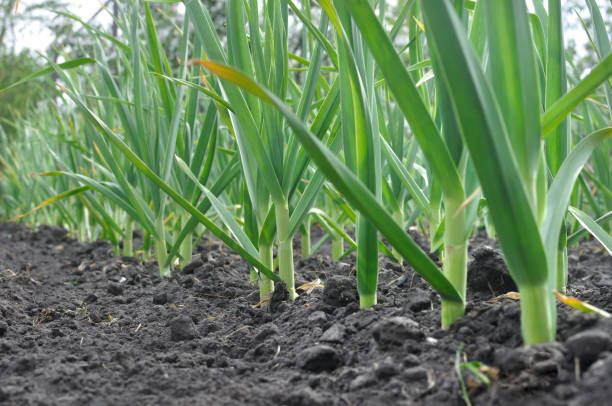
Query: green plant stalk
454, 260
541, 186
337, 242
146, 246
559, 143
337, 247
160, 248
187, 244
285, 248
305, 241
83, 224
367, 265
266, 285
562, 260
128, 241
536, 328
253, 277
435, 206
398, 216
491, 152
361, 144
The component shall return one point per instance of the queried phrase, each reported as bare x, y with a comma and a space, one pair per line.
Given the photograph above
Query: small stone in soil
396, 330
587, 345
319, 358
334, 334
3, 328
339, 291
317, 317
181, 328
90, 298
160, 299
114, 289
418, 300
192, 266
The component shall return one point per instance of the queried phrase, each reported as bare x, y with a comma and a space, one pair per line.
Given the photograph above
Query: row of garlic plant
212, 148
501, 120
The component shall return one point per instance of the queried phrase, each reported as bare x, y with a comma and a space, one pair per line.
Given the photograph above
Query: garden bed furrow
79, 326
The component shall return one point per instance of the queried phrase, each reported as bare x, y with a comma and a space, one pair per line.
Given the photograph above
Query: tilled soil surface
81, 327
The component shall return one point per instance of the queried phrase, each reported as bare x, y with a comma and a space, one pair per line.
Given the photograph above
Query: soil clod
396, 330
280, 295
319, 358
181, 328
487, 272
340, 291
160, 299
192, 266
334, 334
587, 345
114, 289
418, 300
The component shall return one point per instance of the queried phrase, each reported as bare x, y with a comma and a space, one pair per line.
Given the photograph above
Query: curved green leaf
402, 87
557, 112
224, 214
348, 184
574, 238
595, 229
486, 137
561, 189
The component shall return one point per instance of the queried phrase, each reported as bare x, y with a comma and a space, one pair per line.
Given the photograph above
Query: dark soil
78, 326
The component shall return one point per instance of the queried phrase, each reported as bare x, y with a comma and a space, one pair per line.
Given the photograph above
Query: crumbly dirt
79, 326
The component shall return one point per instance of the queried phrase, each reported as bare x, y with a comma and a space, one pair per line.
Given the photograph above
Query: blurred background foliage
15, 102
17, 61
69, 41
582, 54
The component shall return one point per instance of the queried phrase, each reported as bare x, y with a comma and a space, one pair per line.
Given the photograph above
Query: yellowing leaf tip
420, 24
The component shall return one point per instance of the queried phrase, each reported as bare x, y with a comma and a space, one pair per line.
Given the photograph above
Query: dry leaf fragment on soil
509, 295
261, 302
310, 286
